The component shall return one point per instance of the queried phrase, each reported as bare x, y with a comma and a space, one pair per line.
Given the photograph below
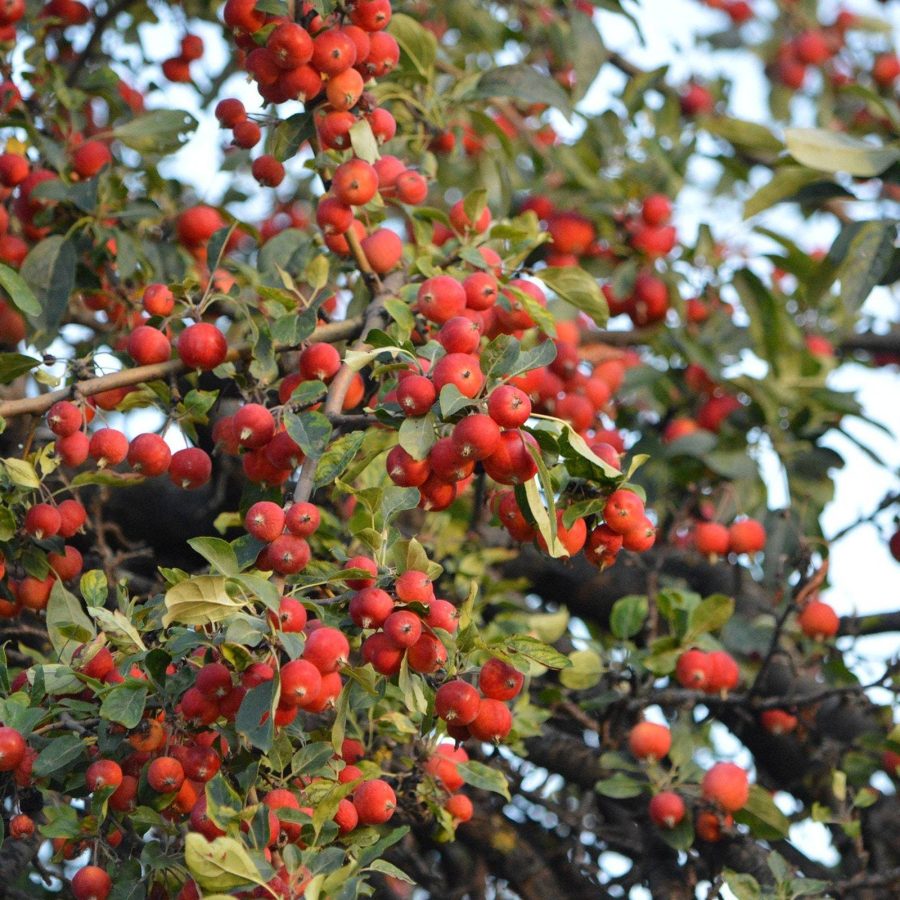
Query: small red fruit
375, 802
648, 740
457, 702
91, 883
666, 809
727, 785
819, 621
202, 346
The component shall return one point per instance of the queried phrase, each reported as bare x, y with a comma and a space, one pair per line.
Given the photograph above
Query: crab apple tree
390, 396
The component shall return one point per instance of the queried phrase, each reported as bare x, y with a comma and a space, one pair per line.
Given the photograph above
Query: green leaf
628, 616
742, 885
310, 429
484, 777
94, 587
833, 151
585, 671
710, 615
125, 704
395, 500
741, 133
784, 184
19, 292
417, 435
340, 453
59, 753
218, 553
363, 142
765, 819
620, 787
49, 270
533, 649
221, 864
521, 82
289, 135
117, 629
21, 472
158, 132
201, 600
255, 719
577, 287
418, 44
66, 621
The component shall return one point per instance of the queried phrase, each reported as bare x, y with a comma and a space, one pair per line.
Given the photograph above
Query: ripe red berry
202, 346
382, 654
414, 586
462, 370
365, 563
648, 740
509, 406
230, 111
300, 683
289, 554
727, 785
493, 721
12, 748
90, 158
370, 607
498, 680
327, 649
64, 418
819, 621
355, 182
147, 345
624, 511
416, 395
666, 809
291, 615
158, 300
91, 883
268, 171
441, 298
403, 628
213, 680
198, 224
476, 436
724, 672
711, 538
149, 454
375, 802
383, 248
302, 519
777, 721
190, 468
747, 536
457, 702
42, 520
254, 425
165, 775
693, 669
21, 826
73, 449
427, 654
105, 773
460, 807
319, 362
108, 447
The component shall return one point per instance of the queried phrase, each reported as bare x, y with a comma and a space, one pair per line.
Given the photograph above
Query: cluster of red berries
443, 767
725, 787
712, 673
147, 454
715, 406
480, 713
43, 522
284, 531
743, 536
324, 60
403, 625
178, 68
